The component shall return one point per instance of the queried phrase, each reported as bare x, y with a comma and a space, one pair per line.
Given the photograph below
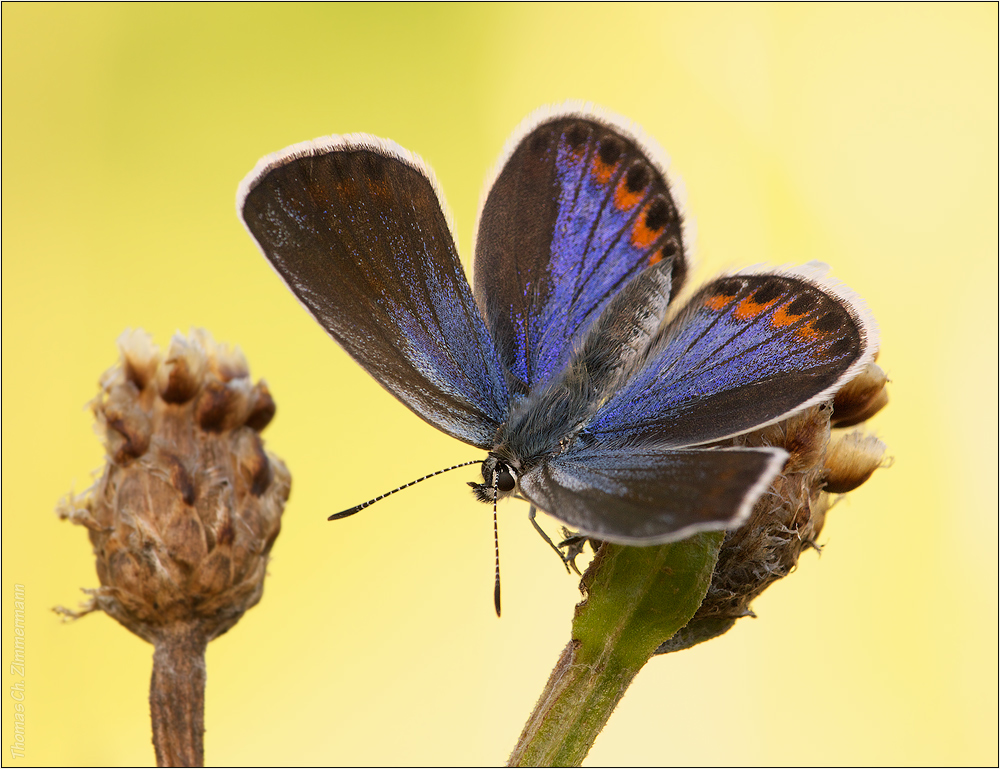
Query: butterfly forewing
746, 351
356, 230
576, 211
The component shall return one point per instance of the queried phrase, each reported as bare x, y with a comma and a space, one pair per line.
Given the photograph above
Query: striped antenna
370, 502
496, 546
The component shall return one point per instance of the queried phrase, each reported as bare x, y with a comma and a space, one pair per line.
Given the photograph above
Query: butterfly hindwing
577, 209
645, 496
746, 351
356, 229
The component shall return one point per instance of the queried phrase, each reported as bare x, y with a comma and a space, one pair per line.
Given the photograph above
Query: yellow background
863, 136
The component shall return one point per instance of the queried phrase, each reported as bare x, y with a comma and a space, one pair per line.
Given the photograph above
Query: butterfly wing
647, 496
748, 350
577, 209
356, 229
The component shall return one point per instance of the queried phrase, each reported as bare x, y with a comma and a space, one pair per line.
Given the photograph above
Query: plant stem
177, 696
637, 598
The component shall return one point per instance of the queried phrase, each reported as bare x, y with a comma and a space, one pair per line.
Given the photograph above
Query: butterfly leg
567, 562
573, 543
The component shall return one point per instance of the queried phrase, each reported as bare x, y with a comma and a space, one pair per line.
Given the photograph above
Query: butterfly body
562, 362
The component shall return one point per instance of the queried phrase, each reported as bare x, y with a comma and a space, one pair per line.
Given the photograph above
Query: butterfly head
500, 479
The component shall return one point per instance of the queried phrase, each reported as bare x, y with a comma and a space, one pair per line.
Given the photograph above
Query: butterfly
564, 361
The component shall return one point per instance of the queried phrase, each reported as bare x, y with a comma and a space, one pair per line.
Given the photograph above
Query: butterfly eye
505, 480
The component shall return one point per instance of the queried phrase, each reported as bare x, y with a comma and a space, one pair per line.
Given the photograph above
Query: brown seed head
189, 503
790, 514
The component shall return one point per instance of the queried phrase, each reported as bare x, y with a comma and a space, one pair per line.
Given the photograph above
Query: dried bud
189, 504
851, 460
790, 515
861, 398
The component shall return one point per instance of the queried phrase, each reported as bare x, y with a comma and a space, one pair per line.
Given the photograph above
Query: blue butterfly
561, 362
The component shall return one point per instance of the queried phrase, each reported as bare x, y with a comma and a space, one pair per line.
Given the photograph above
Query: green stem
637, 598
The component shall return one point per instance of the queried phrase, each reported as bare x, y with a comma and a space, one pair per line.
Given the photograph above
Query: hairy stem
177, 696
637, 598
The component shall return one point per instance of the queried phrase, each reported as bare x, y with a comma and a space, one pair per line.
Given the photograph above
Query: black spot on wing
540, 142
843, 346
636, 179
802, 304
769, 291
609, 150
831, 321
577, 135
658, 215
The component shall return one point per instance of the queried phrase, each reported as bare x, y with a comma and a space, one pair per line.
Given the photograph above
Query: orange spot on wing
748, 308
602, 171
656, 258
381, 189
643, 236
782, 317
346, 187
624, 198
807, 333
718, 302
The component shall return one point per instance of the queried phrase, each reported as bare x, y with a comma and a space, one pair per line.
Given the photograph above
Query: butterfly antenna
370, 502
496, 547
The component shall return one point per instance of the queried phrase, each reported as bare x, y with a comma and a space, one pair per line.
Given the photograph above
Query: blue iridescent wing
612, 350
577, 209
356, 229
747, 351
646, 496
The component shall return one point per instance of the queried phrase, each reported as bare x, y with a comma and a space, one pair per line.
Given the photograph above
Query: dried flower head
184, 515
790, 515
189, 503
